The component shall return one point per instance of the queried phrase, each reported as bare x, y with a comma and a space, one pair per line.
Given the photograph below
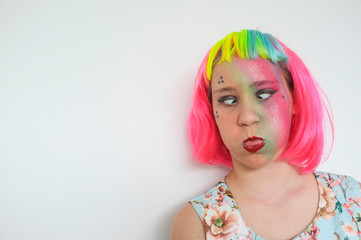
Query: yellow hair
245, 44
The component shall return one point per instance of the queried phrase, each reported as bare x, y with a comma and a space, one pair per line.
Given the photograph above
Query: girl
257, 108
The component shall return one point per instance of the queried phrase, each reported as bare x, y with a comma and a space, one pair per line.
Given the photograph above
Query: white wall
94, 97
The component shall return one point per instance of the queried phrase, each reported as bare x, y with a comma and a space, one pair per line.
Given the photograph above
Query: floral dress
338, 215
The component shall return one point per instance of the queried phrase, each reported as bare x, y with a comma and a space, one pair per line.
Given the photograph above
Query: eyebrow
263, 82
257, 84
225, 89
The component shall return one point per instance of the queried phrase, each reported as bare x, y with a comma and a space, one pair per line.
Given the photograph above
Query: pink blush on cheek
280, 119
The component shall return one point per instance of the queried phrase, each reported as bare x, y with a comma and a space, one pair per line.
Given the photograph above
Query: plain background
94, 98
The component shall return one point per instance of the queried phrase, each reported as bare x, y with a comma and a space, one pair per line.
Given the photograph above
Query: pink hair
306, 143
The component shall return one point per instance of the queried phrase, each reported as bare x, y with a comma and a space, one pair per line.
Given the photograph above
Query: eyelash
265, 91
226, 98
258, 96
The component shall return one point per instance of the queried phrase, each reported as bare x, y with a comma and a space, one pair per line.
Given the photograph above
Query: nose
248, 116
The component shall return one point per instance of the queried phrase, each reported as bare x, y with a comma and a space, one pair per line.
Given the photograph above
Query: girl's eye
265, 94
228, 100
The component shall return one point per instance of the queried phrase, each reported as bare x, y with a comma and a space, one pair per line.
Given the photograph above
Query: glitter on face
258, 91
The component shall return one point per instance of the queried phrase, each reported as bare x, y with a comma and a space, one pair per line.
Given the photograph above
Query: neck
274, 180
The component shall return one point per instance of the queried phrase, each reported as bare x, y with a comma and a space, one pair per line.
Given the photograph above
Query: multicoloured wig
305, 148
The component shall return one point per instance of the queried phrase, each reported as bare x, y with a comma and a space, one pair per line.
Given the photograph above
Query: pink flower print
349, 229
219, 197
311, 233
358, 199
315, 230
207, 196
327, 203
348, 206
226, 202
335, 183
221, 223
222, 189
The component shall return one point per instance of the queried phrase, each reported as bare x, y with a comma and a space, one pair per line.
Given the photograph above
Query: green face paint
254, 105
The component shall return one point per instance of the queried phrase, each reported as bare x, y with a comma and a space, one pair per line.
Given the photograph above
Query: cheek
279, 118
225, 121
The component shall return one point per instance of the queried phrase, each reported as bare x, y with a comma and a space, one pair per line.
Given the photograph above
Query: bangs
246, 44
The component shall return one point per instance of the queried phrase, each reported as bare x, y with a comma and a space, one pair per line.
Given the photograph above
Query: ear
289, 81
294, 106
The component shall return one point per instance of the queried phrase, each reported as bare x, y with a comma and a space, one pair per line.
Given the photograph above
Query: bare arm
187, 225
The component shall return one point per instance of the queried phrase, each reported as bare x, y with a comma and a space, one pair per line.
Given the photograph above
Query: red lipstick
253, 144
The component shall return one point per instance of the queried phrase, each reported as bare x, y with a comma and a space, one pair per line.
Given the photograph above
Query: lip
253, 144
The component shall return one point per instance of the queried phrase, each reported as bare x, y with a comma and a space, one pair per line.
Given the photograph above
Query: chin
256, 161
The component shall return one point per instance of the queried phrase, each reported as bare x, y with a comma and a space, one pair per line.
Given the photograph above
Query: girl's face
253, 107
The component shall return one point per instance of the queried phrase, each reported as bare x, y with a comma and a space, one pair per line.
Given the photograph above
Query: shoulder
186, 225
332, 177
345, 186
